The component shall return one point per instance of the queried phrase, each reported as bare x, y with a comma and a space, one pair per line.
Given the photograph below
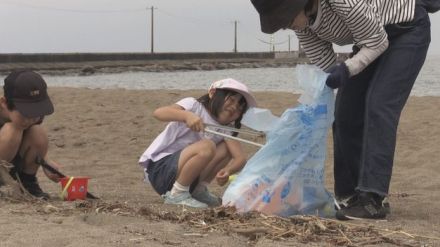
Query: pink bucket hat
236, 86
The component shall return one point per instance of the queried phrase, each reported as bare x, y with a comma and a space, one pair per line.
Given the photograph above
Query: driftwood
10, 188
255, 225
252, 225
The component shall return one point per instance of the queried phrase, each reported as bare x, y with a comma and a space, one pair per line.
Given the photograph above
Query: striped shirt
359, 22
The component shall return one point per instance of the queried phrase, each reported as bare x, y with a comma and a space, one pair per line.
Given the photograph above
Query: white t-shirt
177, 135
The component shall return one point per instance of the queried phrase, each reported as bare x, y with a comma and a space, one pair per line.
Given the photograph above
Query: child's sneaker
183, 198
30, 183
207, 197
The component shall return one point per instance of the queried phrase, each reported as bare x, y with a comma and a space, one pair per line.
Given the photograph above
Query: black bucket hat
28, 92
277, 14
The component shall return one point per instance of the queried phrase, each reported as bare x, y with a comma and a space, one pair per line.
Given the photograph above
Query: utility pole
272, 43
289, 43
152, 27
300, 50
235, 36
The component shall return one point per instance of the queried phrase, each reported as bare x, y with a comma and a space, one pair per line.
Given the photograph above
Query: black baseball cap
28, 91
277, 14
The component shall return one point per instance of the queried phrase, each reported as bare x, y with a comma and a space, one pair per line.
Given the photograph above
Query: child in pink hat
183, 159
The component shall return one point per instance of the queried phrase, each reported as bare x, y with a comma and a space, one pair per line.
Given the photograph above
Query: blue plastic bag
286, 176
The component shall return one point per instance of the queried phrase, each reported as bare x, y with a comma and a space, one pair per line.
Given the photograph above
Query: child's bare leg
193, 160
217, 163
10, 140
201, 192
31, 142
35, 143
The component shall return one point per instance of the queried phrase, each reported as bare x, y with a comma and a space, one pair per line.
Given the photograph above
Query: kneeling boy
22, 138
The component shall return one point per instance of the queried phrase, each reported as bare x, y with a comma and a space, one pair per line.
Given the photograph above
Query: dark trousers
431, 6
368, 109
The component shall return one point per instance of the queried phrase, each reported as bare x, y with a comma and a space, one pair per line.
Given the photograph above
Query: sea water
258, 79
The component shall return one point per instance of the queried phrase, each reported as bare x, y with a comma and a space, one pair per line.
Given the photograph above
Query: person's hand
194, 122
52, 176
338, 77
222, 177
354, 50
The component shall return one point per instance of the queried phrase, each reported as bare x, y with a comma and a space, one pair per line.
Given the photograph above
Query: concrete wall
85, 57
286, 55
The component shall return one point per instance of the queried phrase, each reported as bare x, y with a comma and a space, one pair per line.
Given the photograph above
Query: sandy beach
101, 134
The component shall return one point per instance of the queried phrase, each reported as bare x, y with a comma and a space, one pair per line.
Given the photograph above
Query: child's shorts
162, 173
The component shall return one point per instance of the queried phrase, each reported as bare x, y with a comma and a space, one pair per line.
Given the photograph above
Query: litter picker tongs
247, 132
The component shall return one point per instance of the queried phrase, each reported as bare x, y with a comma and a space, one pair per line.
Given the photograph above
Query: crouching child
184, 159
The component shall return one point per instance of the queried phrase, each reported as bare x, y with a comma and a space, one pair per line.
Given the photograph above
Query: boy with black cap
22, 138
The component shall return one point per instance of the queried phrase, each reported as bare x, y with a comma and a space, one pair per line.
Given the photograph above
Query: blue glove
338, 77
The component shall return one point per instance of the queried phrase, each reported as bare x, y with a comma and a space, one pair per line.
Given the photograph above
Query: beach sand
101, 134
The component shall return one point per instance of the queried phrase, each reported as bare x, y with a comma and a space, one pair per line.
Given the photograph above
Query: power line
40, 7
190, 18
244, 32
273, 43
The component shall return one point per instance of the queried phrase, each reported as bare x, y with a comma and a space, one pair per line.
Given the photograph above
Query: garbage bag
259, 119
286, 176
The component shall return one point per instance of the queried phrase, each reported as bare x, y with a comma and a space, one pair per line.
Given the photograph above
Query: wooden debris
252, 225
11, 189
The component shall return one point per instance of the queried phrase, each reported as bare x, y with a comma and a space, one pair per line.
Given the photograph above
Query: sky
58, 26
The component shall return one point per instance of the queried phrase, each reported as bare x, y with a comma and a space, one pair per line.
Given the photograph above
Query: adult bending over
391, 39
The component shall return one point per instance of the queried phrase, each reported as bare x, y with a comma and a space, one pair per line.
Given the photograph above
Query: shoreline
110, 67
203, 62
200, 91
